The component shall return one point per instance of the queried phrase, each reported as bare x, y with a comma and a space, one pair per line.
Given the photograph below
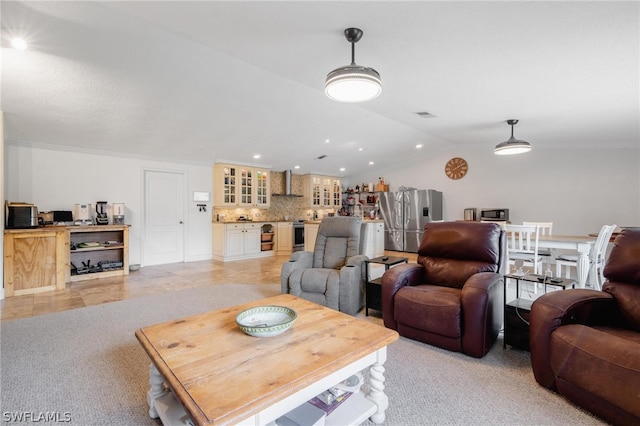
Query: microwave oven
21, 215
494, 214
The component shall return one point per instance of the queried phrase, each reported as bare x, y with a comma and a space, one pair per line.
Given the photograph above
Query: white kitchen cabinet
310, 234
238, 241
284, 237
241, 186
323, 192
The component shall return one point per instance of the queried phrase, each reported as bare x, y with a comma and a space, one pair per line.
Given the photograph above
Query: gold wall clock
456, 168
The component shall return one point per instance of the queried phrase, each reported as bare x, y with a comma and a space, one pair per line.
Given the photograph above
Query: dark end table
373, 290
517, 311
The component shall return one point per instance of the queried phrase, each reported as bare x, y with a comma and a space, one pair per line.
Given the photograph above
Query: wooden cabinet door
263, 191
310, 234
225, 184
336, 192
234, 240
35, 261
252, 244
284, 237
246, 186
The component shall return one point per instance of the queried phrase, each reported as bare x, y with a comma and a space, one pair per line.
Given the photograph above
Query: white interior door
163, 217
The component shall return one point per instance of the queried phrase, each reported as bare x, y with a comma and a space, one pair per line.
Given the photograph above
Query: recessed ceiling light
19, 43
360, 149
419, 146
327, 141
296, 167
342, 169
371, 163
256, 156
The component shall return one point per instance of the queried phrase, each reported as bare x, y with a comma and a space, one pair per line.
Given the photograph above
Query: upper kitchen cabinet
324, 192
241, 186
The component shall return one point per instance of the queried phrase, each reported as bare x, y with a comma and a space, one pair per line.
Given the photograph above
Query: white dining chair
522, 244
596, 257
546, 228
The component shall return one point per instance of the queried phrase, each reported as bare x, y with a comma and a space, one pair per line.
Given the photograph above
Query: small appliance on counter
21, 215
82, 214
62, 217
101, 213
495, 214
470, 213
45, 218
118, 213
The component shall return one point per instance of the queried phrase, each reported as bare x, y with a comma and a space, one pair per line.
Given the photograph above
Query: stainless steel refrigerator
405, 213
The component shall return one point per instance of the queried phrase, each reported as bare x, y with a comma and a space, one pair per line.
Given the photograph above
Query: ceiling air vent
425, 114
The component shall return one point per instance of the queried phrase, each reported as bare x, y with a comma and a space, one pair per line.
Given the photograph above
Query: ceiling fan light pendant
512, 146
353, 83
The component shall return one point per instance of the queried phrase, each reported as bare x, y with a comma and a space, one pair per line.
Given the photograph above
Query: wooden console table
40, 259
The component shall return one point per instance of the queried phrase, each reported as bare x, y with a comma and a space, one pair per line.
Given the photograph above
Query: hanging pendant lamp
353, 83
513, 145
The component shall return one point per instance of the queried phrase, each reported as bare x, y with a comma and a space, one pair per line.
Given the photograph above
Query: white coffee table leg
156, 391
376, 391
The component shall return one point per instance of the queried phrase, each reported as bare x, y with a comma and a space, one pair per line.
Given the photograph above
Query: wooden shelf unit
104, 253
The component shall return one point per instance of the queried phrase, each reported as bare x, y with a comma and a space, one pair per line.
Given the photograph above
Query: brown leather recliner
453, 297
585, 344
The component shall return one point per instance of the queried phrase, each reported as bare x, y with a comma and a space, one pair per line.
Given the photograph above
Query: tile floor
149, 280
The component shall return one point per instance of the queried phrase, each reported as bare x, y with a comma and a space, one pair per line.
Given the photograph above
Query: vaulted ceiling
204, 81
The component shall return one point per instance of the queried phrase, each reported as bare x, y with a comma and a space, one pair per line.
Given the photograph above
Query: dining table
583, 244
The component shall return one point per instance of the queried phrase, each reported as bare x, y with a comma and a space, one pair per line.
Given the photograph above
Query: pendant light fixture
513, 145
353, 83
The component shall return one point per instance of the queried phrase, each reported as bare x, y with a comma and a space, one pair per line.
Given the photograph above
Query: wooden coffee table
221, 376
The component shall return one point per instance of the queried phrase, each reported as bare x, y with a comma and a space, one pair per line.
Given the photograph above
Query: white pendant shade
353, 83
512, 146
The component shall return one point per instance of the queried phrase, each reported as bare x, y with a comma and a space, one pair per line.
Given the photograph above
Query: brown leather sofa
453, 297
585, 344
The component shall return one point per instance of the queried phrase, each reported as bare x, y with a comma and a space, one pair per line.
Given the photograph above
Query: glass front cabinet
324, 192
241, 186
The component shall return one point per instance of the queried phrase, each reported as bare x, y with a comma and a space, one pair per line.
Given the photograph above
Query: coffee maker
118, 213
101, 213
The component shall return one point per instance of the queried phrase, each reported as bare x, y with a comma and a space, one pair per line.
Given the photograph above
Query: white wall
57, 179
578, 190
2, 219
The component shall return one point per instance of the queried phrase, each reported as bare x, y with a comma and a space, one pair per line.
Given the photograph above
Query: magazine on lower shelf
329, 408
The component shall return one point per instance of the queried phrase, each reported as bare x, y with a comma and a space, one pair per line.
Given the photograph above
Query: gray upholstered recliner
334, 274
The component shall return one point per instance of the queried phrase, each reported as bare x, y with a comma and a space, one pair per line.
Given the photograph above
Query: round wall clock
456, 168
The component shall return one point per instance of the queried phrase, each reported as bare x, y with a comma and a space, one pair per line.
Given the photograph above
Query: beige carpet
86, 365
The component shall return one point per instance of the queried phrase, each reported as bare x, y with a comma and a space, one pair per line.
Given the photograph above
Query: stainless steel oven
298, 235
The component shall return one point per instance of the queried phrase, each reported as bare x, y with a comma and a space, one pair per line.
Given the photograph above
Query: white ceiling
209, 80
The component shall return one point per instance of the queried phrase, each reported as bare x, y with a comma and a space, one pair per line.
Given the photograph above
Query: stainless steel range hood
287, 186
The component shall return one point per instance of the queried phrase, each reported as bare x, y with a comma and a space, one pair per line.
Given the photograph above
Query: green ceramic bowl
266, 321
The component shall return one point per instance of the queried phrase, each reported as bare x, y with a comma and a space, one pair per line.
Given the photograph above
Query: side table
517, 311
373, 299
